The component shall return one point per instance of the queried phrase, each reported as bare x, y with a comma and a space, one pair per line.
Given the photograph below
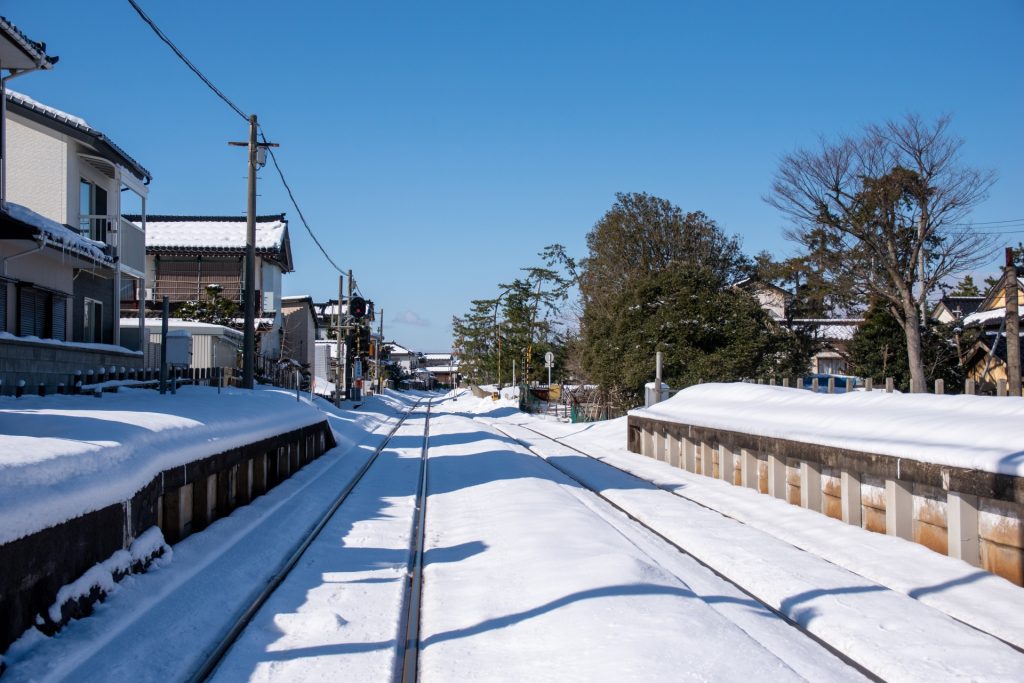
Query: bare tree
892, 204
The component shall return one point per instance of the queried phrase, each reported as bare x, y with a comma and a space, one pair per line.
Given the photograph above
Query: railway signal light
357, 307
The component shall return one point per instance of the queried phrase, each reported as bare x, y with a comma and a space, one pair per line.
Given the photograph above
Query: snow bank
64, 456
973, 432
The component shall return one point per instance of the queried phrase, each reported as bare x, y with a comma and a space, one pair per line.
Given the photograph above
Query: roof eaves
34, 50
77, 129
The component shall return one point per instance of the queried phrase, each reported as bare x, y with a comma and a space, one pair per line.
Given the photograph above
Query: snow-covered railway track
840, 655
847, 615
404, 660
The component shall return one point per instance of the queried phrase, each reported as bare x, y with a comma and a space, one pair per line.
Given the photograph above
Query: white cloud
410, 318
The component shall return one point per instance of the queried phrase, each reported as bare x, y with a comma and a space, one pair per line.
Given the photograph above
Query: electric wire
291, 196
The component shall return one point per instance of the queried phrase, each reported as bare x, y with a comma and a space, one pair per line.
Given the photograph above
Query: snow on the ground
529, 576
963, 591
895, 636
158, 626
64, 456
973, 432
524, 582
335, 618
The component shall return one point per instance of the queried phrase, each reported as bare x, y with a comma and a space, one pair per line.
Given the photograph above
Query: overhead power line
160, 34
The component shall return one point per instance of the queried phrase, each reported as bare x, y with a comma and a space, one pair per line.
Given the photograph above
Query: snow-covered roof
437, 356
194, 326
984, 317
397, 349
444, 369
57, 235
215, 233
78, 127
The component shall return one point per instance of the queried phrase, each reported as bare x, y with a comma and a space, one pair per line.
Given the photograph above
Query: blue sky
436, 147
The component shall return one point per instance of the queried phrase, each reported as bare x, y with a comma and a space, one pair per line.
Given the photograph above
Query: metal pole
380, 342
1012, 327
657, 373
337, 355
249, 339
348, 318
163, 344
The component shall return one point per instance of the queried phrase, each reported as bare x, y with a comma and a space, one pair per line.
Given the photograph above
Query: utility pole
338, 372
348, 328
1012, 327
380, 342
257, 152
920, 270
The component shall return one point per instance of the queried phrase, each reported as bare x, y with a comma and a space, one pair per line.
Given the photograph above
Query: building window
92, 218
41, 313
92, 321
3, 306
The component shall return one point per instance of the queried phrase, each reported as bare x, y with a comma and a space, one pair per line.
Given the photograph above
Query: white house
63, 170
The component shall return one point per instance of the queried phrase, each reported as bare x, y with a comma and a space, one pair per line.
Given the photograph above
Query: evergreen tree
214, 308
878, 350
707, 330
966, 287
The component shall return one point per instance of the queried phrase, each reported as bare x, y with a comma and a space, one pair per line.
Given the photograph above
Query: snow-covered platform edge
943, 471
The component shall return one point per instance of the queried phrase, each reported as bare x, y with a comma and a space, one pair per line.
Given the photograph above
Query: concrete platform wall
181, 501
969, 514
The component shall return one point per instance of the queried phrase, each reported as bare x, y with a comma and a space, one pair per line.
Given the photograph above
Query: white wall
37, 168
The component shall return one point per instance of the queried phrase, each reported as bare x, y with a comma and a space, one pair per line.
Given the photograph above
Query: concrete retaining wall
52, 364
968, 514
181, 500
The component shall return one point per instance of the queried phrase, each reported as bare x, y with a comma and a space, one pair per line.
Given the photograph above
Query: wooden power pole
1012, 327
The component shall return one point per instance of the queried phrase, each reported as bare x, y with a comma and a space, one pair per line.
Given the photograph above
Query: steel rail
409, 629
212, 660
786, 618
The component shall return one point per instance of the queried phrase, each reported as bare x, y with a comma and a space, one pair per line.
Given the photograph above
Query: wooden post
675, 447
814, 384
1001, 387
1013, 371
869, 384
831, 385
889, 386
969, 387
940, 387
785, 382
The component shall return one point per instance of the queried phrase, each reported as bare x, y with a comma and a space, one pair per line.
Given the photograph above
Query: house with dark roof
986, 360
952, 308
186, 255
